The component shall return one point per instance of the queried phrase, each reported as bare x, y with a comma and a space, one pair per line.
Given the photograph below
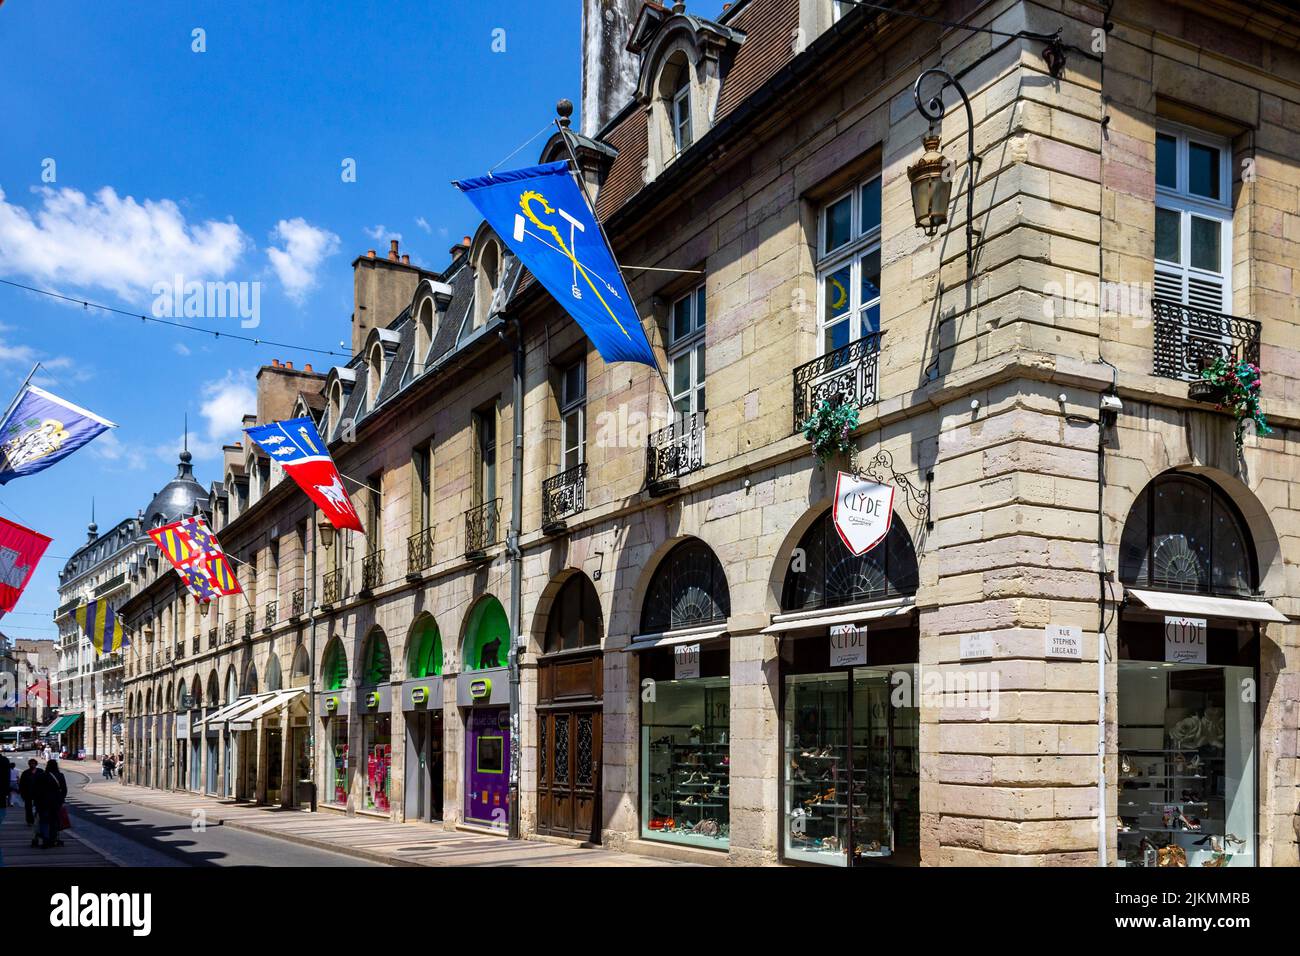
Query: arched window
375, 378
196, 693
688, 589
825, 573
424, 332
334, 669
675, 87
424, 653
250, 679
487, 636
1184, 534
574, 620
214, 690
232, 685
300, 673
273, 677
376, 664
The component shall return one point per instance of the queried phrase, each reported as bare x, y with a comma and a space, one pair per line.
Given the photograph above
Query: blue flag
43, 429
544, 218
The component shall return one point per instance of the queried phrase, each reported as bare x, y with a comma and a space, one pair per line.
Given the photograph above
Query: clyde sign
862, 513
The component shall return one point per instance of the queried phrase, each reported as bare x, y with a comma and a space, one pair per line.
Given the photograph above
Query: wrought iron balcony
297, 602
331, 587
1189, 339
419, 552
180, 649
847, 375
482, 528
674, 452
250, 623
229, 636
372, 571
563, 496
212, 638
115, 581
270, 614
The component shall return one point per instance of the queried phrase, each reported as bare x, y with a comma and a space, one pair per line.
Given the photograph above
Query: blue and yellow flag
101, 625
544, 218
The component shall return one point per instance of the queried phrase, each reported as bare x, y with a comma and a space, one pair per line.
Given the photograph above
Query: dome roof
178, 498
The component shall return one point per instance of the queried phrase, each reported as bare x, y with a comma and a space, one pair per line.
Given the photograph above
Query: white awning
272, 701
1201, 605
805, 620
232, 710
694, 635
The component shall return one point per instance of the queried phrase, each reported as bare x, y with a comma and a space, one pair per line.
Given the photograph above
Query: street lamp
326, 531
931, 176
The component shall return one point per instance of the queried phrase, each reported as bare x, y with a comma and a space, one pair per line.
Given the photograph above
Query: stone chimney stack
381, 288
609, 69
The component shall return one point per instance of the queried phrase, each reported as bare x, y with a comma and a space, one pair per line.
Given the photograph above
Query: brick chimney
459, 251
278, 385
381, 289
609, 69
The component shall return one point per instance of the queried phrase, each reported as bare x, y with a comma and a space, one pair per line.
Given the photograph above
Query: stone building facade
1087, 590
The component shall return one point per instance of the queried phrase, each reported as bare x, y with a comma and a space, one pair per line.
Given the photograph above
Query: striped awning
63, 723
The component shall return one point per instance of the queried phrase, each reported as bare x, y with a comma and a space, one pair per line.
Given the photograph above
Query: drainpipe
311, 680
516, 570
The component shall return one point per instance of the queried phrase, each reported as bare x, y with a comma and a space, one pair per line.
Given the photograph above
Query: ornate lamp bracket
933, 110
881, 469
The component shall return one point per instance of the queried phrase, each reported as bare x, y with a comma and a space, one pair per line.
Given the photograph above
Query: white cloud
180, 348
381, 232
225, 403
305, 248
112, 242
424, 224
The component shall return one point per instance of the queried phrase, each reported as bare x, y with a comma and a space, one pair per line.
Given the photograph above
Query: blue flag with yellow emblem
102, 626
541, 214
42, 429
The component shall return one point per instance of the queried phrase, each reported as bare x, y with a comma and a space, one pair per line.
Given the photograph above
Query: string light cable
215, 333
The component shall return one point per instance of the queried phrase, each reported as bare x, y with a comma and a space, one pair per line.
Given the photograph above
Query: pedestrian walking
106, 766
52, 791
5, 766
28, 785
13, 784
45, 753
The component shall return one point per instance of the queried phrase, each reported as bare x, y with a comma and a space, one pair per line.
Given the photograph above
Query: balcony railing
250, 623
419, 551
331, 589
563, 496
180, 649
212, 638
482, 526
116, 580
674, 452
270, 613
372, 570
846, 375
297, 603
229, 636
1188, 339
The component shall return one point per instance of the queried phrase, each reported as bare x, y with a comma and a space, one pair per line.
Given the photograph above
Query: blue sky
226, 165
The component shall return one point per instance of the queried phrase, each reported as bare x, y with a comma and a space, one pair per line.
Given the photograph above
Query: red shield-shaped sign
862, 513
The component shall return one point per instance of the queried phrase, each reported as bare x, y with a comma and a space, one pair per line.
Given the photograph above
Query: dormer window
487, 276
681, 110
423, 336
376, 376
335, 408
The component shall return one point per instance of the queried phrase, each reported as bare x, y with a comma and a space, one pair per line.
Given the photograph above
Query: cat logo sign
862, 513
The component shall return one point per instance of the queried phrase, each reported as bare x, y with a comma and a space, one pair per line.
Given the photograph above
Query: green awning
63, 723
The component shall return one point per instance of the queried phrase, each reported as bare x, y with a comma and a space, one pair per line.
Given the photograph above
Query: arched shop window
300, 673
827, 574
688, 589
250, 679
487, 638
1185, 534
334, 670
574, 620
214, 690
273, 676
232, 685
377, 665
424, 654
196, 692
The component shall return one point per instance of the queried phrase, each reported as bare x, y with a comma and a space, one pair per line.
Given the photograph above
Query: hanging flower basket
828, 428
1233, 387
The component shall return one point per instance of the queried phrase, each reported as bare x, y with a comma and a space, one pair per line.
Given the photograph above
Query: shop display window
338, 766
377, 731
686, 763
1186, 765
851, 781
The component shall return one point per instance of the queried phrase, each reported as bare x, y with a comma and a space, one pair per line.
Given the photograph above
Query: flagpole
582, 184
18, 397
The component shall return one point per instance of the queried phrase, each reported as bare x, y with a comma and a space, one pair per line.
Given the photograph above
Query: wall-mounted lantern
931, 176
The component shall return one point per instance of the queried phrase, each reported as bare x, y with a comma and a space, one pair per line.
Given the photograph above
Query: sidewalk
16, 844
397, 844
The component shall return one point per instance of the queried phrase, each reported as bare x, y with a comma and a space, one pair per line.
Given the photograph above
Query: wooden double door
569, 743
